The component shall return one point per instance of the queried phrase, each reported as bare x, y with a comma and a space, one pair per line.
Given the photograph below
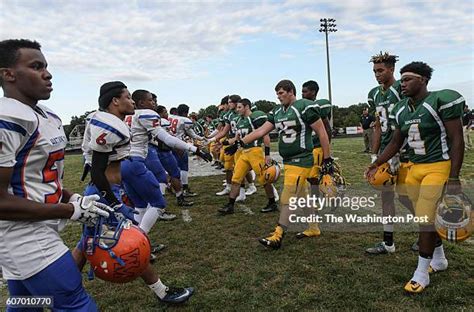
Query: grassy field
221, 258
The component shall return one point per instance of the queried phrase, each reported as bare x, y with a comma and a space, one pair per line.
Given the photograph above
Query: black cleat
269, 208
177, 295
274, 240
182, 202
188, 193
227, 209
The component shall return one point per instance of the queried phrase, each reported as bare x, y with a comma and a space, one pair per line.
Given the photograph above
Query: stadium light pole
327, 26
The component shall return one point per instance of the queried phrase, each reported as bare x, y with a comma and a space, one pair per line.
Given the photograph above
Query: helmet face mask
119, 254
454, 219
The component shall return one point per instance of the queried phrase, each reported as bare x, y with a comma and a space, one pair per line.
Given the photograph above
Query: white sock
421, 275
141, 213
163, 188
159, 289
242, 192
388, 228
149, 219
253, 175
184, 177
252, 185
439, 261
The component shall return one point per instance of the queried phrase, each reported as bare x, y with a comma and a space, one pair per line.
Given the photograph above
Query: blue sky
197, 52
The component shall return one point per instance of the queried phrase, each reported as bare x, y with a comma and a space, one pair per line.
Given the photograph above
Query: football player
252, 156
295, 121
310, 91
181, 126
431, 122
167, 161
109, 144
34, 206
231, 118
382, 99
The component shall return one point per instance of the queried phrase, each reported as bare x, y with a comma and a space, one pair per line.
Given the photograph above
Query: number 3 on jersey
50, 174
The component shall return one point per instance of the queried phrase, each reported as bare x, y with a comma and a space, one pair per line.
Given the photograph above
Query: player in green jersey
382, 99
252, 156
431, 122
229, 131
216, 149
295, 121
310, 90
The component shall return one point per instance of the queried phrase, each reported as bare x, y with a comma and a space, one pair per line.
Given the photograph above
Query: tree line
343, 116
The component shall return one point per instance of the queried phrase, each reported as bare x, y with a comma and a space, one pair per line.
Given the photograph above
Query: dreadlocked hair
385, 58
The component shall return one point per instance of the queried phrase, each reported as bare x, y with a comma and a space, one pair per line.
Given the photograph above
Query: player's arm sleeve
451, 105
311, 113
271, 116
171, 141
259, 121
149, 121
100, 162
104, 141
12, 138
188, 128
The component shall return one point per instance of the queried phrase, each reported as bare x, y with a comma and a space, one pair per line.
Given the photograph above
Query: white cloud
147, 40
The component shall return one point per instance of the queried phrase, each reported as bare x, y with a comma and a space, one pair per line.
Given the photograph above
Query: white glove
213, 139
87, 209
373, 158
394, 163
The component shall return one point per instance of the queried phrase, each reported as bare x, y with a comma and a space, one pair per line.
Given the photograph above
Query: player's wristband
267, 150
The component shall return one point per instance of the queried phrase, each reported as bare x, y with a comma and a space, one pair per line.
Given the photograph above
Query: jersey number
174, 124
383, 116
128, 120
289, 134
50, 174
101, 139
415, 141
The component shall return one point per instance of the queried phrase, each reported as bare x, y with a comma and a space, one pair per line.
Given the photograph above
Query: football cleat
454, 219
383, 176
189, 193
380, 249
274, 240
271, 172
177, 295
440, 267
182, 202
119, 254
166, 216
414, 287
270, 207
252, 189
225, 191
312, 231
227, 209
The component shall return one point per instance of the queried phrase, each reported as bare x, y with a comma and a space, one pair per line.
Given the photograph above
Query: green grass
221, 258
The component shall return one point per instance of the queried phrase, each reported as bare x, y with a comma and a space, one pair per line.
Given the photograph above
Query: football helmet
331, 185
382, 177
454, 220
271, 172
119, 254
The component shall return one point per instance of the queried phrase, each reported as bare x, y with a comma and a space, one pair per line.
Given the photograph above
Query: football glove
124, 212
232, 149
327, 166
373, 158
87, 209
204, 155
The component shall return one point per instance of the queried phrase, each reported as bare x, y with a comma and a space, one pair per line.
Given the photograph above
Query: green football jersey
383, 102
221, 118
213, 125
232, 118
295, 134
324, 112
199, 127
422, 123
249, 124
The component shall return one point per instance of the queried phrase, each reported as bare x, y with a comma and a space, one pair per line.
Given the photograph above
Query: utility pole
328, 25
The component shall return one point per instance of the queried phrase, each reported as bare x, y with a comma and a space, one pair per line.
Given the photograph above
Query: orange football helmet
454, 219
117, 255
382, 177
271, 172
